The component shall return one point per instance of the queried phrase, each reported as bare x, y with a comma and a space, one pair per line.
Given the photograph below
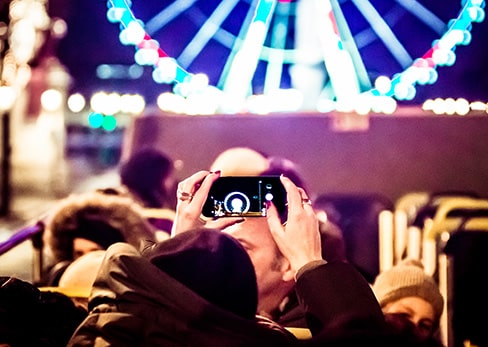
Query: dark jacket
342, 311
135, 303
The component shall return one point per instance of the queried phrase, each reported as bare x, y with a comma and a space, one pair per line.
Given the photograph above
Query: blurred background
91, 41
76, 95
62, 61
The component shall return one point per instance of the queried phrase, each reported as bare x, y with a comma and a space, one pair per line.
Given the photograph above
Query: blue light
95, 119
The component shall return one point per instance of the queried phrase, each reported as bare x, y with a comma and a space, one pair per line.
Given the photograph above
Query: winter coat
135, 303
96, 216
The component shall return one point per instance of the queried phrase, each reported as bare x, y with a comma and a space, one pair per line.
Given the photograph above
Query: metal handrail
21, 236
34, 233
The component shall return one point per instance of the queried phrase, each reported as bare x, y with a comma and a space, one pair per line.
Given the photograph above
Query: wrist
308, 267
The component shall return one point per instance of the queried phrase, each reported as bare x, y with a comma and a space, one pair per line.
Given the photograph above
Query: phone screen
234, 196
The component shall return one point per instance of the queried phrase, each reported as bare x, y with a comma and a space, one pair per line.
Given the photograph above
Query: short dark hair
143, 174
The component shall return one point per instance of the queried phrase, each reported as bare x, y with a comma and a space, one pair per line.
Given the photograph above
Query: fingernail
217, 172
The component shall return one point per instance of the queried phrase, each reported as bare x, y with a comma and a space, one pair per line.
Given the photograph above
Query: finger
201, 194
189, 185
222, 223
306, 202
293, 194
274, 220
302, 192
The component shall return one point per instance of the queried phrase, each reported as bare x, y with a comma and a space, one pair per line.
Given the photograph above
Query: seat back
454, 251
467, 297
358, 217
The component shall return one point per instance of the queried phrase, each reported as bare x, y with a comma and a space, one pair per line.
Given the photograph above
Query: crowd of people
138, 265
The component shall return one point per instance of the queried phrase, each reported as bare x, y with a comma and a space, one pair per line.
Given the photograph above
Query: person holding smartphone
338, 301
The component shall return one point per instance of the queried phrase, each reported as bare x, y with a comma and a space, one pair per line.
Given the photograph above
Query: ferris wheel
313, 54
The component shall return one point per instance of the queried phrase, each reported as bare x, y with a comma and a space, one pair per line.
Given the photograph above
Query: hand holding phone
244, 196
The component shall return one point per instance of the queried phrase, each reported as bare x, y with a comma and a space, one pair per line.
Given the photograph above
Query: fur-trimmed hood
102, 218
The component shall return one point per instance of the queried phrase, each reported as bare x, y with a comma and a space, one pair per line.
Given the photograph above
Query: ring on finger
306, 202
184, 196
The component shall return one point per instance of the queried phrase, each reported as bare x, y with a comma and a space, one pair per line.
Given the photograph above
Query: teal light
95, 119
109, 123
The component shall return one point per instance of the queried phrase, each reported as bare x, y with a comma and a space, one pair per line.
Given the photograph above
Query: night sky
92, 40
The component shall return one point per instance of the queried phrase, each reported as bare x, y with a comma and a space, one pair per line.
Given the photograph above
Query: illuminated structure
234, 92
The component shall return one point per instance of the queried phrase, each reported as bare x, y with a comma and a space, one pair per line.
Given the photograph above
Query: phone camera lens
236, 202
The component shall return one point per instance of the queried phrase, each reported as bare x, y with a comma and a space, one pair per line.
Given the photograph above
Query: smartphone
244, 196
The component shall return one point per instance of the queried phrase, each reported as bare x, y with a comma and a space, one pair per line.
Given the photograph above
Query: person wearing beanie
195, 289
405, 291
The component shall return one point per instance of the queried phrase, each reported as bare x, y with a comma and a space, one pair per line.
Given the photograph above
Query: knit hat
405, 279
212, 264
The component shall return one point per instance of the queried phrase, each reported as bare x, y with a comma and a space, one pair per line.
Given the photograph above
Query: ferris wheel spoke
222, 36
167, 15
367, 36
244, 64
384, 32
424, 15
276, 59
239, 39
351, 47
206, 32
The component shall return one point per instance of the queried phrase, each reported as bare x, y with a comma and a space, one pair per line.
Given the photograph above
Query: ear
288, 275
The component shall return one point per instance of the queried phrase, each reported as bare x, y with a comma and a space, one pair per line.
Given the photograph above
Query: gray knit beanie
405, 279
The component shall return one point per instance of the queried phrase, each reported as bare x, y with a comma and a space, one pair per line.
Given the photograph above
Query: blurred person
195, 289
410, 299
240, 161
77, 279
148, 176
91, 221
30, 317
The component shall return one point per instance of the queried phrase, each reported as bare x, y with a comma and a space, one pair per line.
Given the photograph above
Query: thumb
273, 218
222, 223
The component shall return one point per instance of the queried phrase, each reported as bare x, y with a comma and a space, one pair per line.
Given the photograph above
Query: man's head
273, 273
148, 174
240, 161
